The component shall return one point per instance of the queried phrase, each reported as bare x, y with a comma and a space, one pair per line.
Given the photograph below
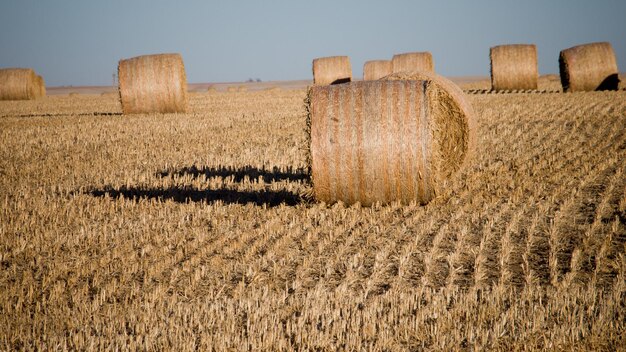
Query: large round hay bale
589, 67
18, 84
376, 69
153, 83
395, 139
514, 66
409, 62
332, 70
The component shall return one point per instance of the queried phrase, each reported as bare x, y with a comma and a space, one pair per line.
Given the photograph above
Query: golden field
195, 232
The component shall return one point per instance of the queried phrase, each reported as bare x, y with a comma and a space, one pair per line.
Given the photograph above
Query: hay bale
376, 69
513, 67
413, 62
589, 67
153, 83
332, 70
395, 139
18, 84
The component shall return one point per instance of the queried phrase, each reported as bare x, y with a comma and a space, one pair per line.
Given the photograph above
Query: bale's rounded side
409, 62
376, 69
513, 67
386, 140
332, 70
18, 84
589, 67
153, 83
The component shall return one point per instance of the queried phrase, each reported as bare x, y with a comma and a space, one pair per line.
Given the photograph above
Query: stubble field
195, 232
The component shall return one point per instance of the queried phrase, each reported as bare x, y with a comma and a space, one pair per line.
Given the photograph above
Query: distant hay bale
242, 89
513, 67
231, 89
153, 83
395, 139
376, 69
413, 62
332, 70
589, 67
18, 84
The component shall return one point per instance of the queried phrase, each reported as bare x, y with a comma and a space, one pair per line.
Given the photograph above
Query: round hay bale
376, 69
18, 84
409, 62
332, 70
153, 83
589, 67
395, 139
514, 67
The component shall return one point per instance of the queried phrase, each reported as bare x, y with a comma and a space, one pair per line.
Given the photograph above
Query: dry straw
153, 83
376, 69
589, 67
413, 62
514, 67
395, 139
332, 70
18, 84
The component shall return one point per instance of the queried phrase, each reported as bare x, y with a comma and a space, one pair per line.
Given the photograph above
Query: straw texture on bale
514, 66
589, 67
18, 84
153, 83
412, 62
376, 69
387, 140
332, 70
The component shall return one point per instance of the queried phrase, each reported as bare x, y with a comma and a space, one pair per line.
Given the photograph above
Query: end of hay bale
513, 67
332, 70
386, 140
153, 83
413, 62
589, 67
376, 69
18, 84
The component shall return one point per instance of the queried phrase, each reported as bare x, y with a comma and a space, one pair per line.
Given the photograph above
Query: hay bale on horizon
589, 67
376, 69
153, 83
513, 67
18, 84
413, 62
395, 139
332, 70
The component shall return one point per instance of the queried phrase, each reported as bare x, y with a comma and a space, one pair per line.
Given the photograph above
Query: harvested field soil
195, 231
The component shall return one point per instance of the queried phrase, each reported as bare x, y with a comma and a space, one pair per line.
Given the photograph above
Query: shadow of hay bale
186, 194
238, 174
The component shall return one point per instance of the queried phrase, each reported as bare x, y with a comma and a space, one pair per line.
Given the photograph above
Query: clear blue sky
79, 42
